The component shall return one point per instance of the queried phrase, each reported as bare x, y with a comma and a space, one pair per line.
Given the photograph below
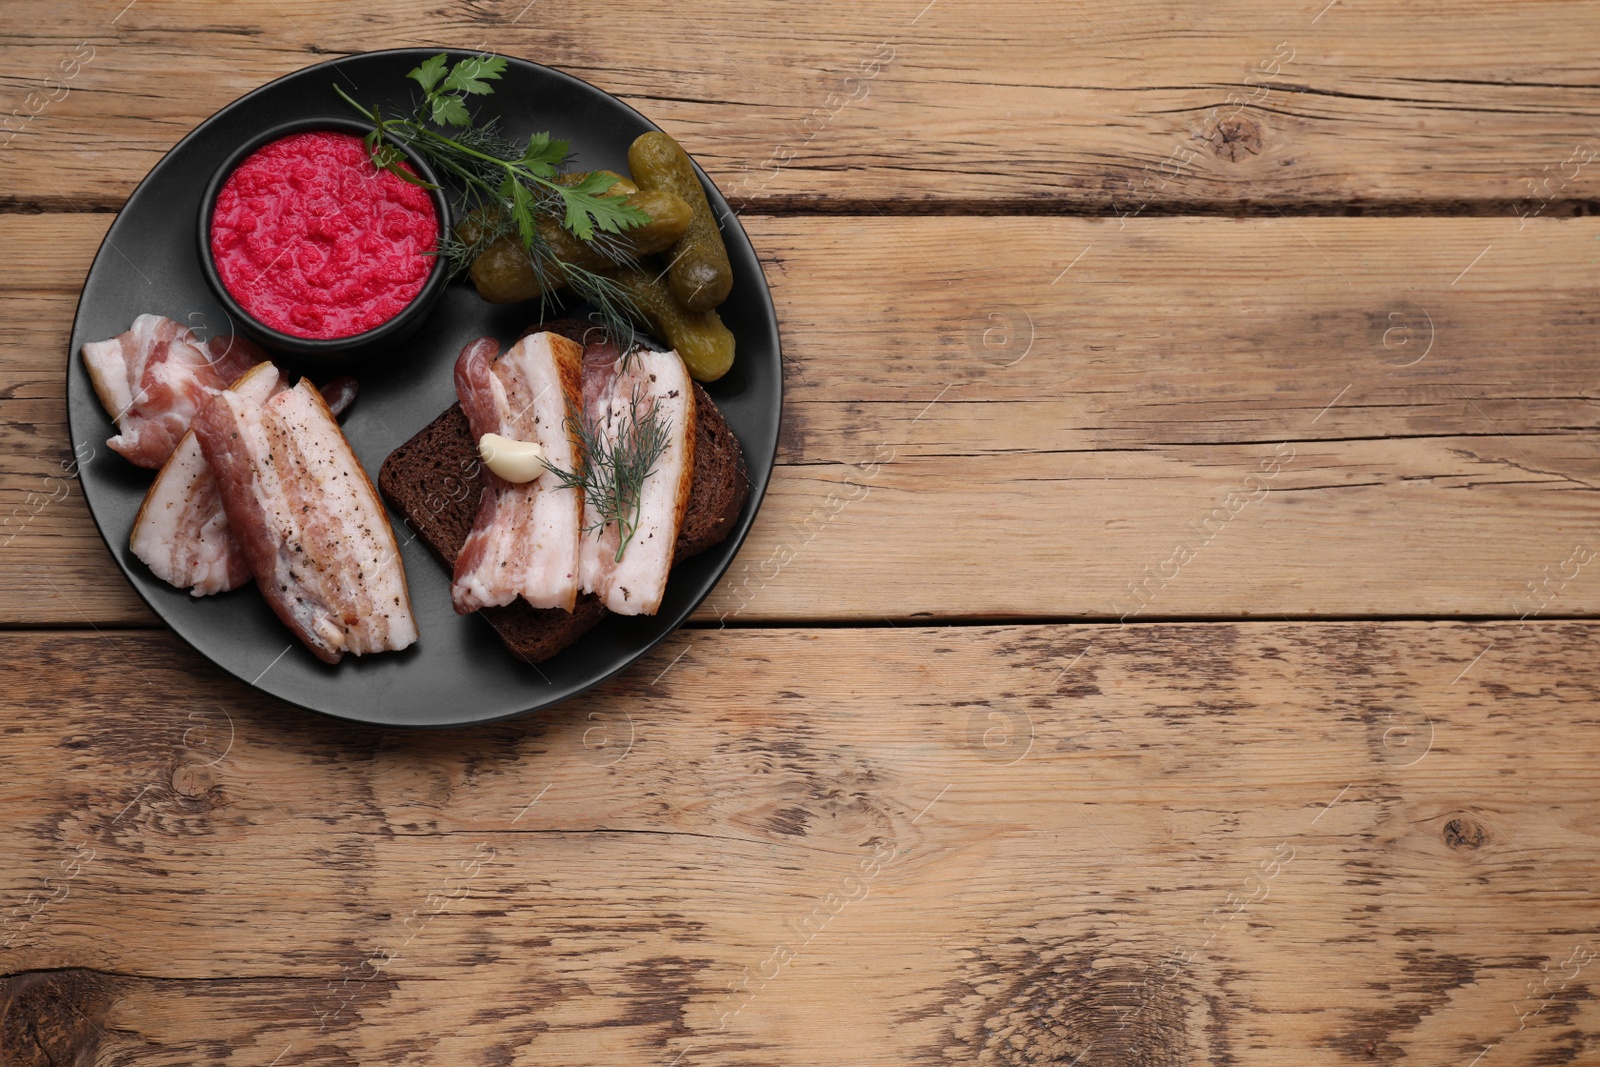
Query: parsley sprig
506, 185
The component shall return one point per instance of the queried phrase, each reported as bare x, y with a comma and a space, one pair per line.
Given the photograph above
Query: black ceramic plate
458, 672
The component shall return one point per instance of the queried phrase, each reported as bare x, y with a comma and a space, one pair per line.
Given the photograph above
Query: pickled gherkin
700, 275
503, 274
705, 344
669, 218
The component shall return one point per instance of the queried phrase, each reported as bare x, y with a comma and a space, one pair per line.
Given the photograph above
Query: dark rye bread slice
434, 481
721, 483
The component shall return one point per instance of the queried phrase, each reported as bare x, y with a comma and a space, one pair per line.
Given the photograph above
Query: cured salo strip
154, 378
181, 532
524, 540
308, 521
635, 408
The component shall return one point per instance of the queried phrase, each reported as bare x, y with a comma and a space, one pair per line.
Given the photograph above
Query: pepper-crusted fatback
617, 394
181, 532
308, 521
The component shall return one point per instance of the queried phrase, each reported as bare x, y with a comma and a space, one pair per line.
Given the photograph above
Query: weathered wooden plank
1294, 417
1096, 106
1167, 843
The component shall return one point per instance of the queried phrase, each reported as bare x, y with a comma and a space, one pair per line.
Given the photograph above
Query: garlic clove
515, 461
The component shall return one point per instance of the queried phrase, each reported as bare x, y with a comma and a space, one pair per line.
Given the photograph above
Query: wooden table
1169, 638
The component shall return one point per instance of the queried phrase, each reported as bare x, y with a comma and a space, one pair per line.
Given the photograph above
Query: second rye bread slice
434, 481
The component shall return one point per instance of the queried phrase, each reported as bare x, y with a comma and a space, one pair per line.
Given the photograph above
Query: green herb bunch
505, 185
613, 466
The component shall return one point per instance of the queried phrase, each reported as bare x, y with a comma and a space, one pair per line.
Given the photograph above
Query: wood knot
1464, 832
193, 780
1235, 137
52, 1017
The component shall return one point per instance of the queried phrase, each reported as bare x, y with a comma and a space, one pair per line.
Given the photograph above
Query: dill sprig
612, 467
613, 305
505, 184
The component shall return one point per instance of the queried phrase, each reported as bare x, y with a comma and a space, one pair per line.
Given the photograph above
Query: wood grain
1096, 106
1215, 841
1272, 417
1400, 846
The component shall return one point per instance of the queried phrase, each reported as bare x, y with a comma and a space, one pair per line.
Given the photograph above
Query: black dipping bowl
331, 353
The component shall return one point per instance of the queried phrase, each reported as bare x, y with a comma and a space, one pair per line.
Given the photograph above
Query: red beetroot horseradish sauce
315, 241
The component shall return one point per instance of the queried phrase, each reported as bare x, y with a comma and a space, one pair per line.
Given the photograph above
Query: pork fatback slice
182, 532
154, 378
524, 540
616, 392
308, 521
